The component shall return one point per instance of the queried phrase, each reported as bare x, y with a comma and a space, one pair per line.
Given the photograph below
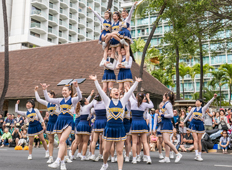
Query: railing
37, 25
38, 12
80, 31
63, 23
41, 1
52, 18
53, 6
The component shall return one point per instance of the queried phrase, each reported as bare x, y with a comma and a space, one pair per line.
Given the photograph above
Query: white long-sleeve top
127, 66
157, 120
168, 110
97, 105
45, 103
24, 113
128, 113
98, 16
74, 100
198, 108
142, 107
110, 66
128, 18
107, 100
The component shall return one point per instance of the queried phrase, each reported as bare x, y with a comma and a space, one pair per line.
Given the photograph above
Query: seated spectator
206, 143
6, 137
9, 122
1, 124
208, 120
224, 141
37, 141
19, 121
16, 136
23, 138
216, 120
187, 144
176, 137
182, 127
153, 142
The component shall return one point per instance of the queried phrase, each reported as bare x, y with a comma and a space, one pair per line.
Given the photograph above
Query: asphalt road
17, 160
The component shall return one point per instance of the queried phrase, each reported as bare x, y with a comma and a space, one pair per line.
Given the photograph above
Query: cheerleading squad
118, 116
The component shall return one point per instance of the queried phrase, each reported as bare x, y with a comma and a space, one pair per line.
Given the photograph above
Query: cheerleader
53, 110
99, 125
124, 75
167, 127
64, 123
35, 121
109, 77
127, 125
156, 129
114, 130
197, 125
139, 125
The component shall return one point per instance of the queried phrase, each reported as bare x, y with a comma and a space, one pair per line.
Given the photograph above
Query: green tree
206, 69
227, 68
162, 77
6, 75
192, 74
183, 71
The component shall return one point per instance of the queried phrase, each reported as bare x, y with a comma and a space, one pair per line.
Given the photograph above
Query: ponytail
52, 93
140, 97
70, 88
78, 107
171, 97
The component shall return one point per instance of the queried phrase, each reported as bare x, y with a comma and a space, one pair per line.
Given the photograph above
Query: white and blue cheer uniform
157, 124
167, 114
109, 75
125, 74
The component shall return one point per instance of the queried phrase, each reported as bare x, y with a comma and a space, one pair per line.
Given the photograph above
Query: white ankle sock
196, 152
134, 158
58, 160
62, 161
199, 153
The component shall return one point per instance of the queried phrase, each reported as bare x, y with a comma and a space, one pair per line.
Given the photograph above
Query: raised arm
128, 19
43, 102
103, 95
111, 66
39, 116
51, 100
189, 115
17, 110
130, 63
97, 15
75, 100
208, 104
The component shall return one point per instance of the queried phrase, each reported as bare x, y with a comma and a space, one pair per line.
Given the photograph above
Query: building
51, 64
141, 27
36, 23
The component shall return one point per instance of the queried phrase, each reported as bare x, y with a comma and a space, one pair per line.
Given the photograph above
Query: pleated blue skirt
114, 43
108, 76
166, 126
196, 126
138, 124
114, 132
104, 32
83, 127
127, 126
124, 75
63, 121
51, 124
34, 128
125, 34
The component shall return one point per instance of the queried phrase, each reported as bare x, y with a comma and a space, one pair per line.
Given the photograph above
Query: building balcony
53, 9
53, 21
42, 4
62, 37
63, 14
81, 33
82, 3
97, 3
81, 23
64, 3
52, 33
90, 16
73, 7
72, 39
63, 25
81, 13
72, 19
72, 29
38, 15
38, 28
104, 4
89, 36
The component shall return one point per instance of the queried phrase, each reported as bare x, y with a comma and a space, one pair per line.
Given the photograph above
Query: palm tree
227, 68
208, 95
218, 79
162, 77
192, 74
109, 6
183, 71
6, 76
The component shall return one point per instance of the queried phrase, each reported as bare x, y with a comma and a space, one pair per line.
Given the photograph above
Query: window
50, 5
152, 19
35, 23
220, 59
229, 56
70, 26
70, 37
70, 15
205, 60
61, 10
60, 21
166, 28
49, 40
50, 17
35, 10
50, 29
34, 34
60, 33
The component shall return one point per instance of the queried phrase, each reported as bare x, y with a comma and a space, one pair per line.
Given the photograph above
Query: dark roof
51, 64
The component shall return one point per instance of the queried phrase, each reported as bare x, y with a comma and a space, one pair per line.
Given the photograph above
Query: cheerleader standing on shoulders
114, 130
53, 110
197, 125
139, 125
106, 25
35, 120
156, 129
64, 123
109, 77
99, 125
124, 75
167, 127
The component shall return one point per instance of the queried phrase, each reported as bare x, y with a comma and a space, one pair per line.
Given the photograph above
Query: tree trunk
220, 96
148, 42
177, 74
183, 86
6, 76
201, 67
109, 6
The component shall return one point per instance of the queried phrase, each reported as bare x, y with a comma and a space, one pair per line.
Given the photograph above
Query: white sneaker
84, 158
70, 153
109, 158
116, 158
138, 158
66, 159
50, 160
165, 160
92, 157
103, 45
144, 158
134, 162
178, 157
149, 160
112, 159
54, 165
199, 158
104, 167
29, 157
161, 156
195, 157
47, 154
98, 158
171, 155
78, 155
63, 166
123, 41
127, 159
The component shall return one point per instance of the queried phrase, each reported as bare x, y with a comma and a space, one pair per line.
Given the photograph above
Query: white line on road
224, 165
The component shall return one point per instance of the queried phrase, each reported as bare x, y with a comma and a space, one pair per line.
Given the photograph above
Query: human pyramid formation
119, 118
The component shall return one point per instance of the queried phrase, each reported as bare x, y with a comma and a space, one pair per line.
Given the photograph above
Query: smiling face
198, 103
165, 98
29, 105
106, 15
109, 53
114, 93
222, 113
86, 101
66, 92
124, 14
123, 51
115, 17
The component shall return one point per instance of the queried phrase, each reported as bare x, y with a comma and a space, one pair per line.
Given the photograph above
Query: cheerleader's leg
106, 52
119, 149
195, 142
51, 144
31, 140
134, 144
127, 48
166, 138
199, 135
121, 87
159, 144
93, 144
145, 144
105, 87
74, 145
119, 54
85, 143
128, 145
106, 151
110, 85
41, 137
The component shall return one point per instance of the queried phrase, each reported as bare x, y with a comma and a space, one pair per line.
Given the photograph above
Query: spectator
182, 127
16, 136
229, 116
1, 124
208, 120
188, 121
224, 141
9, 123
37, 141
187, 144
176, 118
23, 138
177, 143
206, 143
216, 120
6, 137
46, 117
19, 121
